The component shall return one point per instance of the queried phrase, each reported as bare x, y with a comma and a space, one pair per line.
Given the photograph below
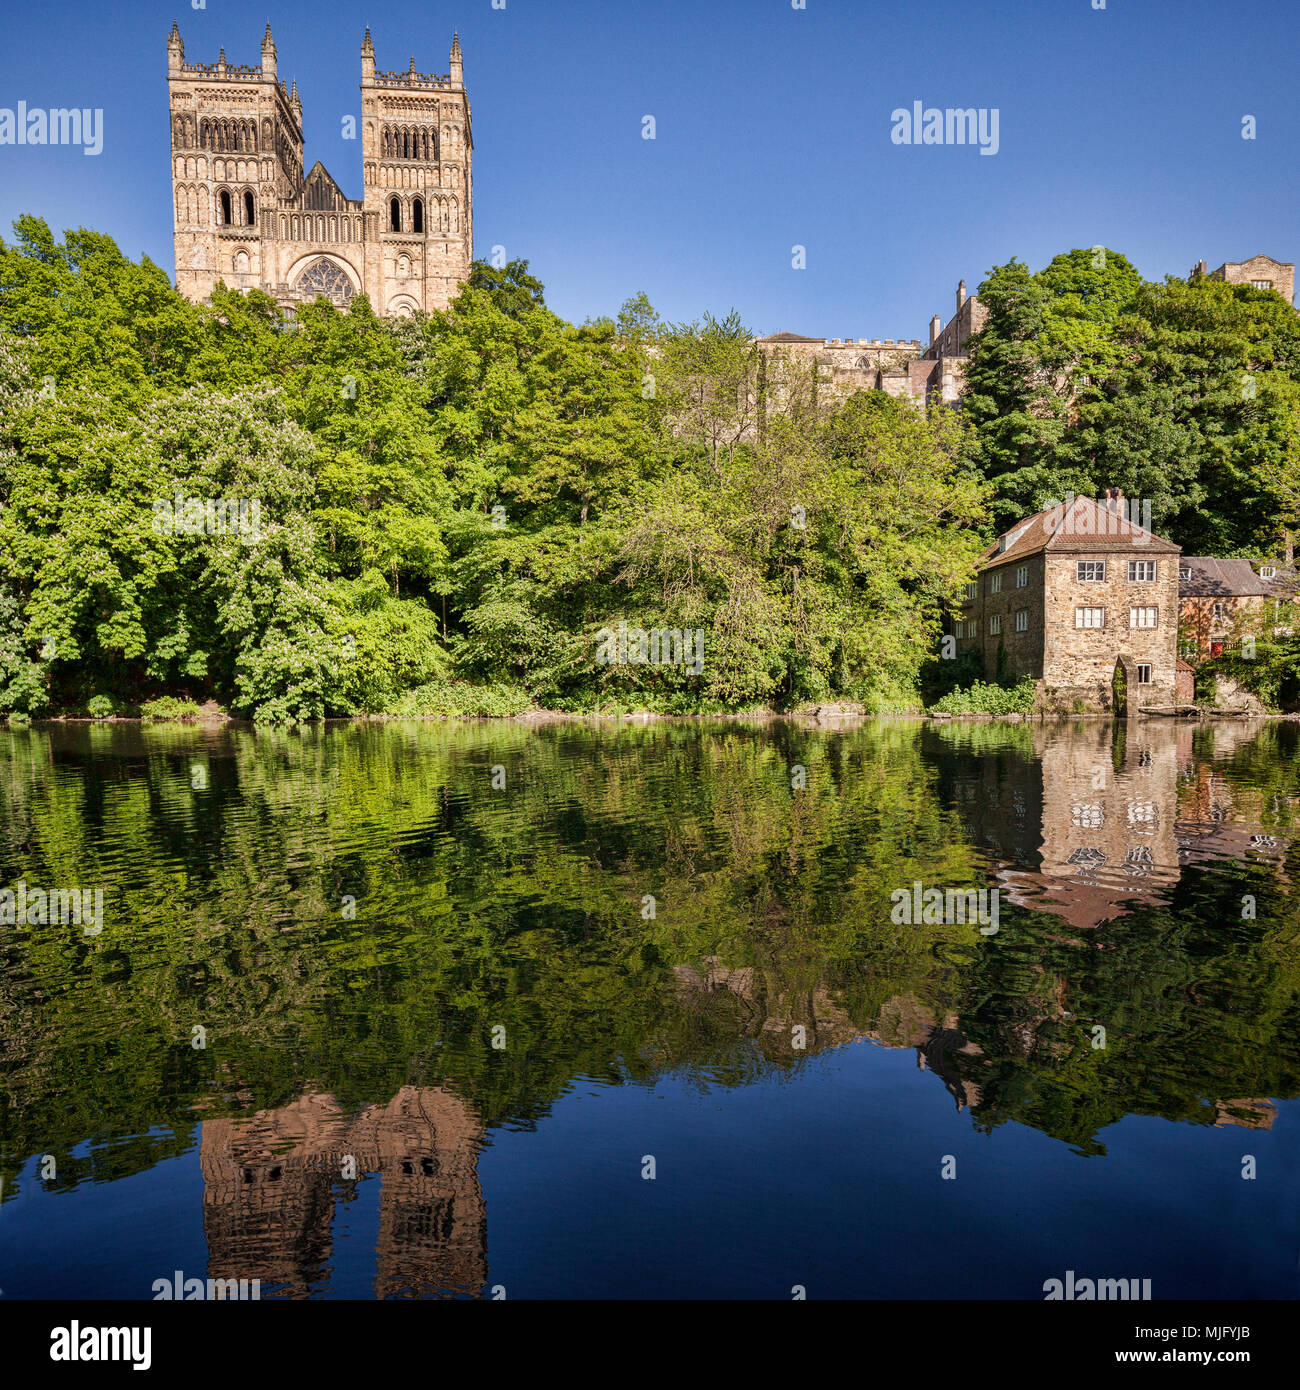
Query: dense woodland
450, 508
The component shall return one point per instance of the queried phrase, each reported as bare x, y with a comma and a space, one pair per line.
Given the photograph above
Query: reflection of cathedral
271, 1182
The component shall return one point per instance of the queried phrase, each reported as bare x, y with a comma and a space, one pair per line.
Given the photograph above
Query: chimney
936, 327
961, 295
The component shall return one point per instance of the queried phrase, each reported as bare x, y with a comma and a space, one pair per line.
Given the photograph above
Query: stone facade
901, 368
1261, 271
246, 215
1070, 593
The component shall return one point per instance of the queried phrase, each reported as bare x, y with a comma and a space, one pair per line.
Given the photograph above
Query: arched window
250, 212
225, 208
417, 215
395, 215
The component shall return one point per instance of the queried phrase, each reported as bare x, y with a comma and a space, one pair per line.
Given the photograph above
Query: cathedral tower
246, 215
417, 154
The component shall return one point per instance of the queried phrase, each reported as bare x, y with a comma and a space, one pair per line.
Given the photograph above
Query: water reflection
1145, 878
271, 1184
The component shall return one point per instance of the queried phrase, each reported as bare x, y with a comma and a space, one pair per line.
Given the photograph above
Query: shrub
102, 707
168, 709
980, 698
460, 698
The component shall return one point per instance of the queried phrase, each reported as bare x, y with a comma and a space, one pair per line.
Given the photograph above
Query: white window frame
1083, 577
1136, 574
1136, 617
1022, 576
1144, 666
1268, 571
1185, 573
1082, 624
995, 625
995, 582
1022, 620
972, 589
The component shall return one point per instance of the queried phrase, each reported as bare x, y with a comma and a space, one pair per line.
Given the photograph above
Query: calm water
446, 1026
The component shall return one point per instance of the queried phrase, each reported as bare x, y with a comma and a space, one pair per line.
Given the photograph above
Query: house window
1268, 571
1218, 612
1141, 571
1144, 674
1090, 617
1144, 617
995, 583
1262, 284
972, 589
1091, 571
995, 625
1184, 572
1022, 620
1022, 576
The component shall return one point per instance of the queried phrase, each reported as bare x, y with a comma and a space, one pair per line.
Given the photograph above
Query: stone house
1261, 271
1219, 600
1069, 597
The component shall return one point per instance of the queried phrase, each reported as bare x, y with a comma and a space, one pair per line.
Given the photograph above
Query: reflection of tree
521, 908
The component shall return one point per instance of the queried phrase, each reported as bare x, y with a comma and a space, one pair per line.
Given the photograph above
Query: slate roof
1083, 524
1213, 578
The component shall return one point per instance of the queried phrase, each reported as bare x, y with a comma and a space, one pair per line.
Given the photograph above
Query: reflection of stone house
1249, 1114
1071, 593
271, 1183
1219, 600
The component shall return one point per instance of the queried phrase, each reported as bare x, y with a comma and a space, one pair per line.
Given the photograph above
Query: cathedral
246, 214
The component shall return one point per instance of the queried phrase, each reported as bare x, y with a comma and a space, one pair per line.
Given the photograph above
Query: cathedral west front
247, 215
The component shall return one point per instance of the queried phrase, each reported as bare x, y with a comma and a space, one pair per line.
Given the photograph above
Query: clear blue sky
1119, 126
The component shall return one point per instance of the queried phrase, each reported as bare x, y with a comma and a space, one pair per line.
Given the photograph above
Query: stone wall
1079, 663
1022, 651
